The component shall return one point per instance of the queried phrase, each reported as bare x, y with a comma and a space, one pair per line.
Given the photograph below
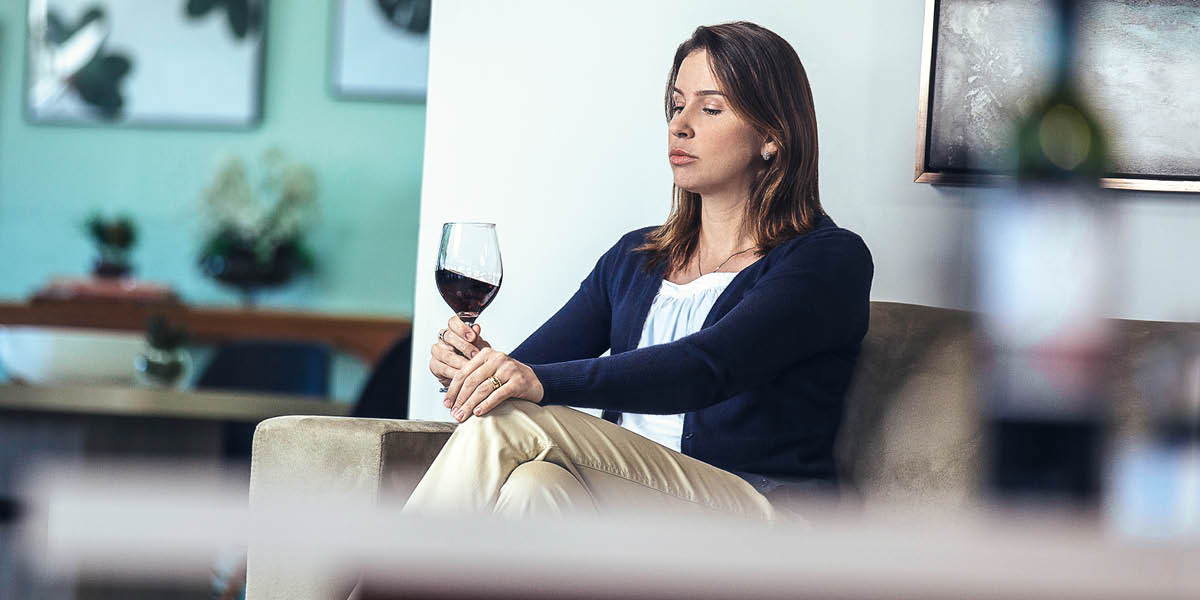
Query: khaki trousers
523, 459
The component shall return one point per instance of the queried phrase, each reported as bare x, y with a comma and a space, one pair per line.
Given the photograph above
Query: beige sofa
910, 435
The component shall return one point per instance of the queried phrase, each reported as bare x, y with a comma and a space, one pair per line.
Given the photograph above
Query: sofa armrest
348, 461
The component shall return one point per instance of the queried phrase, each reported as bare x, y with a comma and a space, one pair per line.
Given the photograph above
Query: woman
734, 327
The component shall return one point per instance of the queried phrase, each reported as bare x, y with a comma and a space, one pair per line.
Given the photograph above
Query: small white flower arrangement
256, 239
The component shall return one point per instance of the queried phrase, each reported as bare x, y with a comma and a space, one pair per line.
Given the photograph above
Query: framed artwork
984, 64
380, 49
145, 62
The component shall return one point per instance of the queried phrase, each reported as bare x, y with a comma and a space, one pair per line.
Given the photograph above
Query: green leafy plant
113, 238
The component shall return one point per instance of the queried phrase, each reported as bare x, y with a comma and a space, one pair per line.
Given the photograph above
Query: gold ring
495, 383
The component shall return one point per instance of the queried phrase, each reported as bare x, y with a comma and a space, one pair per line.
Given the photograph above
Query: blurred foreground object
1046, 279
1156, 472
124, 524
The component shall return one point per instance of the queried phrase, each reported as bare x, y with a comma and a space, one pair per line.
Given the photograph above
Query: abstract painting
380, 49
145, 62
986, 62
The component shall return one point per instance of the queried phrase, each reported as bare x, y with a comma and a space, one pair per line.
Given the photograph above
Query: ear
769, 148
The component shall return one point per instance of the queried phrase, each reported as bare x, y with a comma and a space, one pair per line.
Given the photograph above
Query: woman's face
724, 150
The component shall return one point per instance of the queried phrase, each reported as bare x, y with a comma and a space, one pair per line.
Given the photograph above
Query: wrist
541, 392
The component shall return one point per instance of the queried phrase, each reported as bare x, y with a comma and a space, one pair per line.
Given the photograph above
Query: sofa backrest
911, 432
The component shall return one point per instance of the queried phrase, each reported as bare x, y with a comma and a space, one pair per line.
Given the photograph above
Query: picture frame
145, 63
379, 49
982, 64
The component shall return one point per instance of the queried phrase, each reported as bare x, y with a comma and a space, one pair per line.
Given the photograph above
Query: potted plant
164, 362
256, 239
114, 238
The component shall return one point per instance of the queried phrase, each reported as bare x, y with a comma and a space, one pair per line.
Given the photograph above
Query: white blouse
678, 311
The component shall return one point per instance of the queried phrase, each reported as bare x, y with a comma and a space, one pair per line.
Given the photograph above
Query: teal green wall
367, 156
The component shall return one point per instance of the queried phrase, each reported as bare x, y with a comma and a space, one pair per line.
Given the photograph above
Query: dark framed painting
380, 49
190, 63
984, 63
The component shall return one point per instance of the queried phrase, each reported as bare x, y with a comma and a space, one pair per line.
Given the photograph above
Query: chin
688, 185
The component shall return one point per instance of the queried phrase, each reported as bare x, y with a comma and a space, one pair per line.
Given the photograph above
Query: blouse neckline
701, 277
704, 281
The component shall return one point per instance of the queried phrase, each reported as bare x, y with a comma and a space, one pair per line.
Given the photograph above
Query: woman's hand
488, 379
455, 345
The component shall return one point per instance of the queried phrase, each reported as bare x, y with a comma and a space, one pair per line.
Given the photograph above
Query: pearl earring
766, 155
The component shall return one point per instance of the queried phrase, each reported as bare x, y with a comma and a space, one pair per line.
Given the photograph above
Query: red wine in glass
467, 296
469, 270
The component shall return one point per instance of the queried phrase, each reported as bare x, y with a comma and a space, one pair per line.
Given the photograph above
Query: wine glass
469, 271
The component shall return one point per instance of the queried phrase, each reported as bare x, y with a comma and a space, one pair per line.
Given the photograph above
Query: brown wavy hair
766, 85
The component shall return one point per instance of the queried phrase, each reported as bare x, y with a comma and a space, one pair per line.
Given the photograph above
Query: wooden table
366, 337
133, 422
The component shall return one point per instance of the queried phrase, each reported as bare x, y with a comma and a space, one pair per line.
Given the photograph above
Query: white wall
546, 117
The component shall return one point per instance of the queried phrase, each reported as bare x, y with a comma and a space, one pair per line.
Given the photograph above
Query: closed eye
711, 111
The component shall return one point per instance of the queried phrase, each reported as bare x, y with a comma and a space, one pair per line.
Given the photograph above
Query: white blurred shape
170, 522
66, 355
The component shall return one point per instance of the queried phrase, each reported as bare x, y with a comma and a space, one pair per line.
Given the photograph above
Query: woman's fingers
446, 353
485, 388
461, 329
487, 395
479, 342
507, 391
442, 371
462, 338
477, 371
456, 342
490, 399
475, 393
445, 362
450, 400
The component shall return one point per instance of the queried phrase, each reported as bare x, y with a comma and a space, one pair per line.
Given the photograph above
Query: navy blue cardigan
761, 384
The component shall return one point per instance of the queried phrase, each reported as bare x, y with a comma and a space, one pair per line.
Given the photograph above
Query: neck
721, 226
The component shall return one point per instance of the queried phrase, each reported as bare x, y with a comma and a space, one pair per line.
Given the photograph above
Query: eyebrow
699, 93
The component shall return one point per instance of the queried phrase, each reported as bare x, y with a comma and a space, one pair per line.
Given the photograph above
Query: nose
679, 126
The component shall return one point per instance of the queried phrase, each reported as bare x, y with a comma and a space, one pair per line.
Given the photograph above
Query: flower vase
166, 368
111, 266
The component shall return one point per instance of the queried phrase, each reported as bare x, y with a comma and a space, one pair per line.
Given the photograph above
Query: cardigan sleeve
815, 299
583, 326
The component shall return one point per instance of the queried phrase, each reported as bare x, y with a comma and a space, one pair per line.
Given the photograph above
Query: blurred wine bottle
1045, 278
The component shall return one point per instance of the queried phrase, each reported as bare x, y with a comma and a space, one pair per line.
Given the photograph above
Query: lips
679, 157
